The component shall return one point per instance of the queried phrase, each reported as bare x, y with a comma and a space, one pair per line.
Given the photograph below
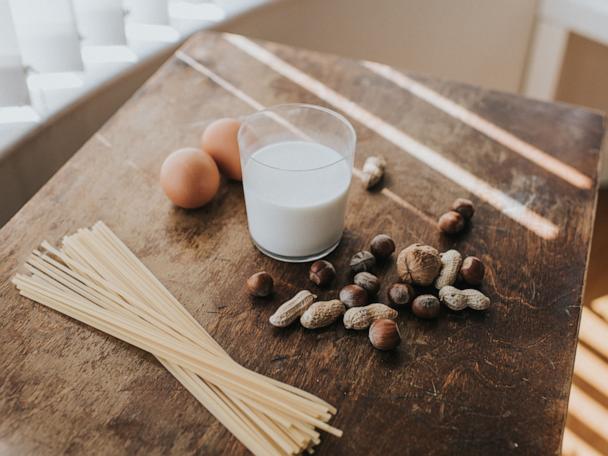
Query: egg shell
220, 141
189, 178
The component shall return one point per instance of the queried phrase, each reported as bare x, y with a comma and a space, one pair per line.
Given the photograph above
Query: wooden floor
587, 424
597, 283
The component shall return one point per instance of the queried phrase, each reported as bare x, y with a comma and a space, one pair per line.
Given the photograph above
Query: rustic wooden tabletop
493, 382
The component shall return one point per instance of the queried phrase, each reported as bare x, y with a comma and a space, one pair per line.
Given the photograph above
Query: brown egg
189, 178
220, 141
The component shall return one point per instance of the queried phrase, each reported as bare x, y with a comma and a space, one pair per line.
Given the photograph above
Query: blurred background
67, 65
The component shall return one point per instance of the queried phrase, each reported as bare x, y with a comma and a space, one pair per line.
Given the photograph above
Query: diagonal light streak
501, 201
223, 83
573, 445
593, 331
493, 131
592, 369
586, 409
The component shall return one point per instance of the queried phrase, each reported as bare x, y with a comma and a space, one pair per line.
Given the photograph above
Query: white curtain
100, 22
148, 11
52, 51
13, 88
47, 35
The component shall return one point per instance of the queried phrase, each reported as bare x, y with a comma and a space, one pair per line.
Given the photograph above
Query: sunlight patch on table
493, 131
501, 201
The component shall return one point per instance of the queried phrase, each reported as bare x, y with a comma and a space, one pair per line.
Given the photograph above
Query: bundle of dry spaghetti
96, 279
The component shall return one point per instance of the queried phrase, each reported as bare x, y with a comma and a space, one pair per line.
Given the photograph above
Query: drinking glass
297, 168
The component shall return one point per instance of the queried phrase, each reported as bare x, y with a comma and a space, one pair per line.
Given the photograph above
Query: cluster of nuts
423, 265
418, 265
454, 220
353, 303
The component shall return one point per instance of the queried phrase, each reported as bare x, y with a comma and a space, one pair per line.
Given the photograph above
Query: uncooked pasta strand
137, 335
317, 415
49, 301
165, 363
101, 227
105, 302
87, 234
96, 279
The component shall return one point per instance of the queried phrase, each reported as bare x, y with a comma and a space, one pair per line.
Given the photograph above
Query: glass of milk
297, 166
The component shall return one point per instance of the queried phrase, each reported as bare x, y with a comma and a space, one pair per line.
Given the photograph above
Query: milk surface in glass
295, 194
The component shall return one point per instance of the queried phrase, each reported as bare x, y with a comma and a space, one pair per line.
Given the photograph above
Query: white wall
482, 42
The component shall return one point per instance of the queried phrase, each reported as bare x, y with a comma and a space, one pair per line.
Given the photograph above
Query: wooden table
492, 382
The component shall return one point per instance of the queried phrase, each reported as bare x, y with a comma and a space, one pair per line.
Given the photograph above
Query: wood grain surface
492, 382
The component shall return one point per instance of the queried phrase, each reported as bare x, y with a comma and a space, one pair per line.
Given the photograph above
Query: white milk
294, 208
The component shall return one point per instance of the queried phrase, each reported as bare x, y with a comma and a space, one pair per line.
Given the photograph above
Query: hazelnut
322, 273
426, 306
418, 264
472, 270
353, 296
400, 294
451, 222
362, 261
384, 334
367, 281
382, 246
260, 284
464, 207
